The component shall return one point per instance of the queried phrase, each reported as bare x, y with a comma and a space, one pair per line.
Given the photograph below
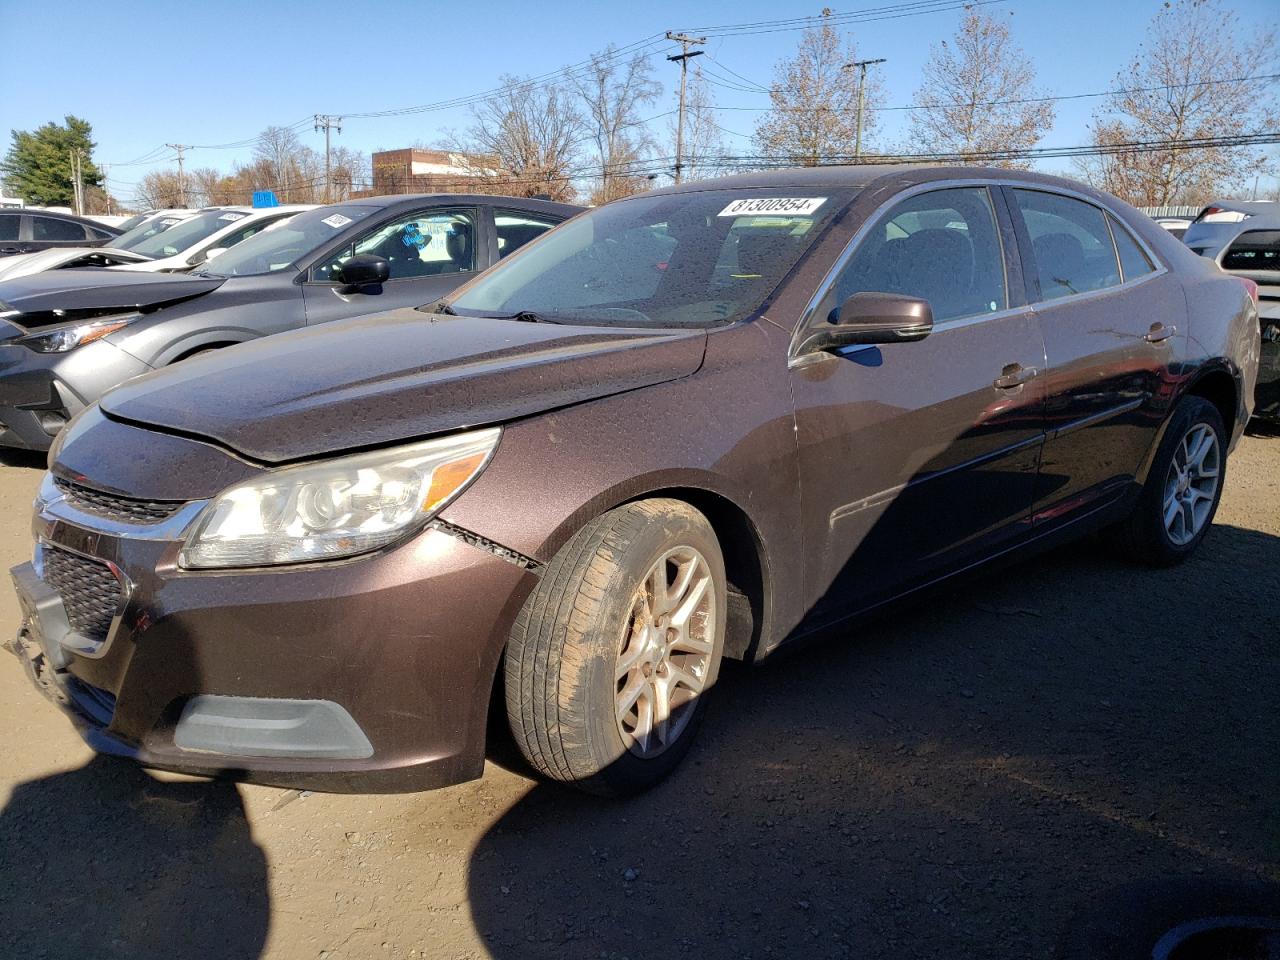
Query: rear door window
942, 246
515, 229
1070, 243
51, 228
1133, 261
9, 227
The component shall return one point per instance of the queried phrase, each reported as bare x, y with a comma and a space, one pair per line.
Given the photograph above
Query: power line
1265, 77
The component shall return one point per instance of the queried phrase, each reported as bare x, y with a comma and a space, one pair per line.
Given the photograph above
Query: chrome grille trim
112, 507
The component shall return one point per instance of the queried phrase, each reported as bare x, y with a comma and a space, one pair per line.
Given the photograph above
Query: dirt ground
976, 777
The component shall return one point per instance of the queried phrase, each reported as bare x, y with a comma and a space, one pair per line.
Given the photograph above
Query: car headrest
938, 261
458, 244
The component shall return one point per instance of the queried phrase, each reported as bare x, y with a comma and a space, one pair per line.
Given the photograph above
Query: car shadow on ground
971, 777
106, 861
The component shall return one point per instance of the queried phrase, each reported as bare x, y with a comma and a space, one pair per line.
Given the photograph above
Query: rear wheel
612, 654
1183, 489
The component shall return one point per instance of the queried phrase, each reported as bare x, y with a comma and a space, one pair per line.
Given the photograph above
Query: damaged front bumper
367, 675
40, 392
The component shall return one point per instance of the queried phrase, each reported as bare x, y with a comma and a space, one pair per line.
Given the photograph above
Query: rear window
1254, 250
47, 228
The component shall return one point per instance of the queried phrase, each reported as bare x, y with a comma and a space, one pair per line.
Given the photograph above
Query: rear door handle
1159, 332
1014, 375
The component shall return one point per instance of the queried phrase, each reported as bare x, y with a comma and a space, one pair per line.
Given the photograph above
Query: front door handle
1159, 332
1014, 375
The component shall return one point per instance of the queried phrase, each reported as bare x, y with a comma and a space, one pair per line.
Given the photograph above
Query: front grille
90, 591
108, 505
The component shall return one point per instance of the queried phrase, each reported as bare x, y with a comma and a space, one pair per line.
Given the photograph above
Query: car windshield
132, 222
187, 233
282, 247
130, 239
671, 260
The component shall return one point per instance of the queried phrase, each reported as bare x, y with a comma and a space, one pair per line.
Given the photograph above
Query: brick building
414, 170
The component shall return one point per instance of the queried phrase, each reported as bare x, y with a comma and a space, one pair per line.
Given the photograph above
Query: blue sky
146, 73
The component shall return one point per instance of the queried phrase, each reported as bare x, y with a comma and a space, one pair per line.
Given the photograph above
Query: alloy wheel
665, 652
1191, 488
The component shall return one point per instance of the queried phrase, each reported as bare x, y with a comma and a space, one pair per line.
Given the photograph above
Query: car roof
862, 175
59, 215
390, 201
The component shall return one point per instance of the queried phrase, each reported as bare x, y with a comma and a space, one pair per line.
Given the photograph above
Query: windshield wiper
527, 316
437, 306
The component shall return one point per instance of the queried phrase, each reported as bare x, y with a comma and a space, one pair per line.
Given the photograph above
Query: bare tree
814, 101
349, 171
292, 167
159, 189
703, 137
1185, 83
533, 132
613, 91
966, 100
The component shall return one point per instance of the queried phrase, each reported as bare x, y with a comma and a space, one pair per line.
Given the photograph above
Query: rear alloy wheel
1191, 487
611, 656
1183, 488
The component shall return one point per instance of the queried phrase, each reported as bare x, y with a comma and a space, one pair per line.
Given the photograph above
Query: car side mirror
214, 252
364, 270
870, 318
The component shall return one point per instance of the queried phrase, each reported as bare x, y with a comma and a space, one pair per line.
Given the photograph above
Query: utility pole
685, 42
182, 180
326, 121
77, 183
862, 90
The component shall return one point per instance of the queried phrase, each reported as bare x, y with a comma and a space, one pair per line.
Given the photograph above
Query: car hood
56, 296
395, 377
56, 258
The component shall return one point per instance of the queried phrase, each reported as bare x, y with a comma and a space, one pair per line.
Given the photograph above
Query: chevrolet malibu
699, 423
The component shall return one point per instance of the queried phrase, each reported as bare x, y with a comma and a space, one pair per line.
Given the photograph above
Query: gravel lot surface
981, 776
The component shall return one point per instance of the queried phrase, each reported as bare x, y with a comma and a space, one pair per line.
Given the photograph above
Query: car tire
598, 657
1178, 501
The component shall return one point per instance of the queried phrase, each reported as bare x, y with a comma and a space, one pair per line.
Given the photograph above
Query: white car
164, 244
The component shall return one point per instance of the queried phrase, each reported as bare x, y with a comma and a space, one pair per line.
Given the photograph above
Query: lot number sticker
794, 205
336, 221
233, 216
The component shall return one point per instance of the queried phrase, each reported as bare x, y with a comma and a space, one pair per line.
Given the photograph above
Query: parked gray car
1252, 251
66, 336
1221, 221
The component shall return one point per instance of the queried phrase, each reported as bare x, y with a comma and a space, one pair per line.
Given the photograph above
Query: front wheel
610, 658
1183, 489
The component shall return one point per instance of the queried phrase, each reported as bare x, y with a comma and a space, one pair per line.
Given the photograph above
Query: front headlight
337, 508
74, 335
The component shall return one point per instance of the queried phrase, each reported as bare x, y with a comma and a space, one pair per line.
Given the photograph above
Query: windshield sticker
233, 216
169, 223
795, 205
336, 220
